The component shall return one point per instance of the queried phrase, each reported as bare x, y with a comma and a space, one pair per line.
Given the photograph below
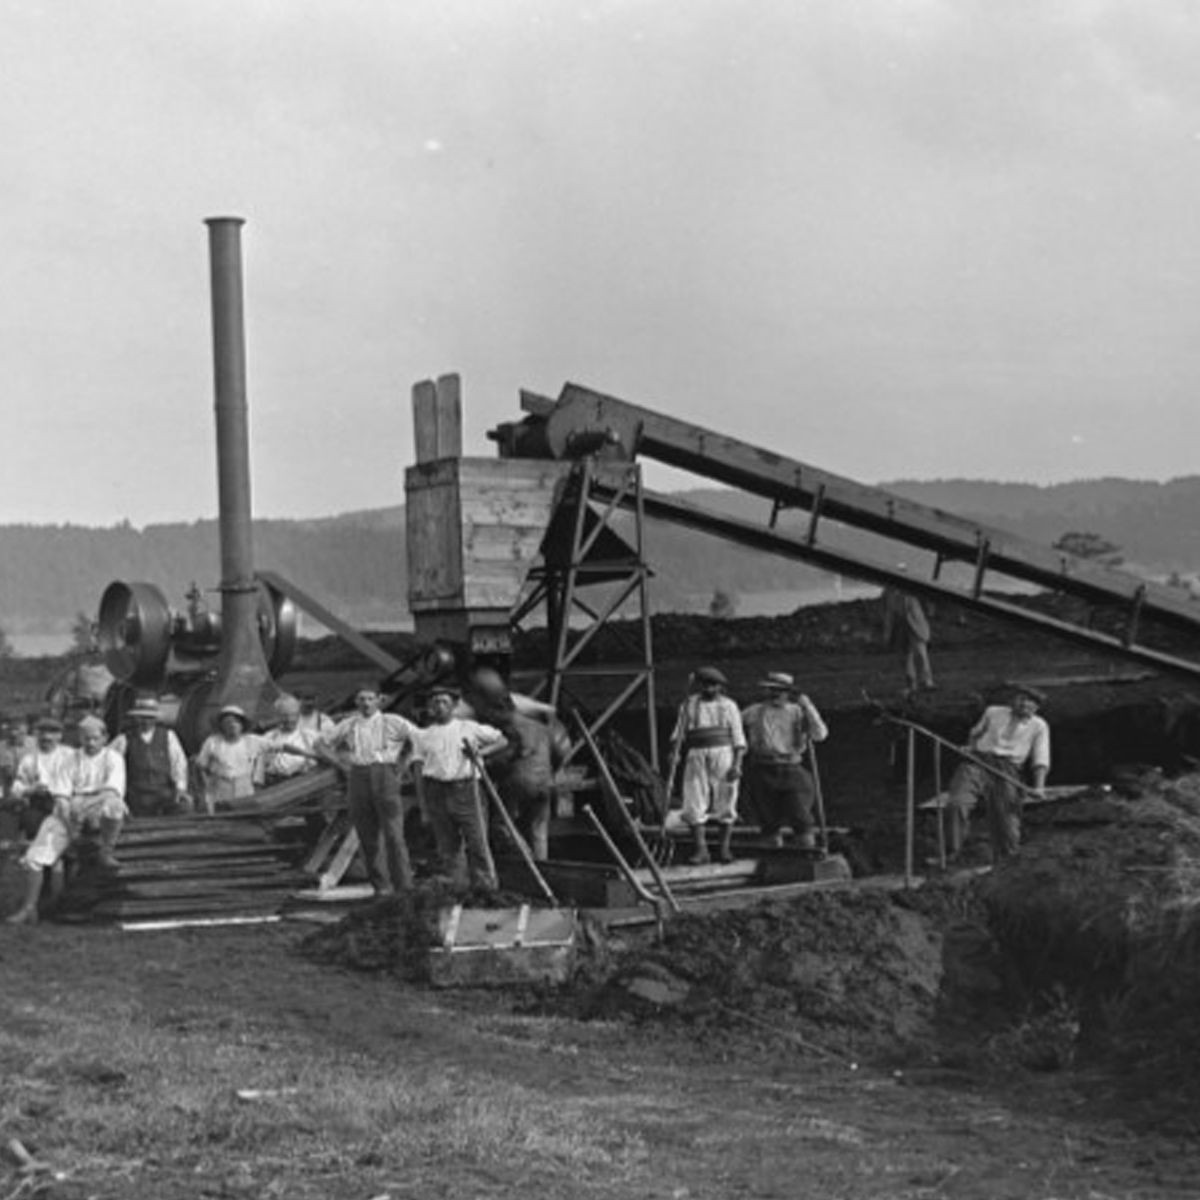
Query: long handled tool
677, 744
513, 832
886, 715
822, 827
639, 889
616, 802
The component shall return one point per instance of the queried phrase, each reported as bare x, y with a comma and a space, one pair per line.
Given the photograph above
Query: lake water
34, 645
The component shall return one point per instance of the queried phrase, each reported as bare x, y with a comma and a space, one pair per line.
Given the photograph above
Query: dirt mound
853, 972
1099, 914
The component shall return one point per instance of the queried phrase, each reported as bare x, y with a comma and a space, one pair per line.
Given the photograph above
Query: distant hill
355, 562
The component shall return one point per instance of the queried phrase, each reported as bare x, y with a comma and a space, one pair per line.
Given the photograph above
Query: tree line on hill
355, 563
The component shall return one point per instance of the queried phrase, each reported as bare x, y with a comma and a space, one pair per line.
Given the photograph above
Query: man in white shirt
1009, 739
374, 747
95, 779
709, 733
449, 778
289, 749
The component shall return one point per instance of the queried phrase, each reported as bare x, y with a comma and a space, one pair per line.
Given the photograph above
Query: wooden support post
941, 810
910, 807
437, 418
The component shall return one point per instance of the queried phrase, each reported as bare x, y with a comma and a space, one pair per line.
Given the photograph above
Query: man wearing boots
709, 732
779, 731
95, 777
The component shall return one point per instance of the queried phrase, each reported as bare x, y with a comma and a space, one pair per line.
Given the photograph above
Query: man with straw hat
156, 767
712, 742
779, 731
1008, 740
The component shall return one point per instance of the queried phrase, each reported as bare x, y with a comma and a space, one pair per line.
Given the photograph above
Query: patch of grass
103, 1095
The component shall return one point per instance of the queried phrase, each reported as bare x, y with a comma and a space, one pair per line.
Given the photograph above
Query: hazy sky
893, 238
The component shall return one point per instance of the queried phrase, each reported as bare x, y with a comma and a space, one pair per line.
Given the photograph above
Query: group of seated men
64, 790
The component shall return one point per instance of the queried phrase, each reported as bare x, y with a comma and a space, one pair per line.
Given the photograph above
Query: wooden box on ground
494, 947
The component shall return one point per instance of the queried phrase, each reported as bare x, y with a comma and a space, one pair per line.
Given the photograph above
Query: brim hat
444, 689
710, 675
233, 710
777, 681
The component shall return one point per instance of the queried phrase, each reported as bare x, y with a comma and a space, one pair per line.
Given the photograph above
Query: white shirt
52, 769
95, 774
279, 762
380, 738
1001, 732
440, 748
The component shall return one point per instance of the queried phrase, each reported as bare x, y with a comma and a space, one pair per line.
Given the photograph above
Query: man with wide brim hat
779, 732
1010, 743
156, 767
230, 760
708, 731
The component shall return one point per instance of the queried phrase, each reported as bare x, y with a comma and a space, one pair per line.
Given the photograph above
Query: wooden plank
330, 836
433, 543
340, 863
448, 390
424, 412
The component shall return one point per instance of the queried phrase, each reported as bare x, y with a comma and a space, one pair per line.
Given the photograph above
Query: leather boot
725, 853
700, 855
27, 914
110, 830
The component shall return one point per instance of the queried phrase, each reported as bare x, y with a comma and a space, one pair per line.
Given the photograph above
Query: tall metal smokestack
243, 676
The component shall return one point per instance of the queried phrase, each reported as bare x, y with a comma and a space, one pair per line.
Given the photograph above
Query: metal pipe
242, 676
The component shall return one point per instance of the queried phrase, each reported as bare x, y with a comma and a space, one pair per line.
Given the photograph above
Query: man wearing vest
709, 731
156, 769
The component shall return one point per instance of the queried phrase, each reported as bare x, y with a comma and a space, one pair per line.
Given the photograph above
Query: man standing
311, 717
1007, 740
450, 781
779, 732
95, 777
712, 742
906, 628
374, 746
156, 768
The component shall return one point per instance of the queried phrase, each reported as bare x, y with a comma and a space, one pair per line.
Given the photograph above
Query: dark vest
149, 789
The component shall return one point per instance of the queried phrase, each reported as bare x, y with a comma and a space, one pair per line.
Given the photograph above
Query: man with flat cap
42, 775
451, 788
1007, 741
779, 731
156, 767
712, 743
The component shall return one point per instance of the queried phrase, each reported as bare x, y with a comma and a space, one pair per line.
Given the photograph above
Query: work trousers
705, 786
527, 795
917, 669
373, 798
781, 793
454, 810
63, 826
1001, 799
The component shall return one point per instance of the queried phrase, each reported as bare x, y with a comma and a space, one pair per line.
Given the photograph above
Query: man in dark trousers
156, 769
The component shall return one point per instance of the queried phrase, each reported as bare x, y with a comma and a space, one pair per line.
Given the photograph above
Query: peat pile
855, 973
1100, 913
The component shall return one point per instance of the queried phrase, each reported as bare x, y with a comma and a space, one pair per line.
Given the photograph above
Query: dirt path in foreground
732, 1118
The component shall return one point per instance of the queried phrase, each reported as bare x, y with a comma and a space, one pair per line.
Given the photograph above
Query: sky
891, 238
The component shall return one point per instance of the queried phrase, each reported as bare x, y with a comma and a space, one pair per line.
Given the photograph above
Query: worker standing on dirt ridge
712, 741
375, 747
779, 730
452, 802
156, 767
1009, 739
906, 628
94, 778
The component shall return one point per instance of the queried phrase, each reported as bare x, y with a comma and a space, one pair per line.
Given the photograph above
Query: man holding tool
1006, 740
709, 732
779, 730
